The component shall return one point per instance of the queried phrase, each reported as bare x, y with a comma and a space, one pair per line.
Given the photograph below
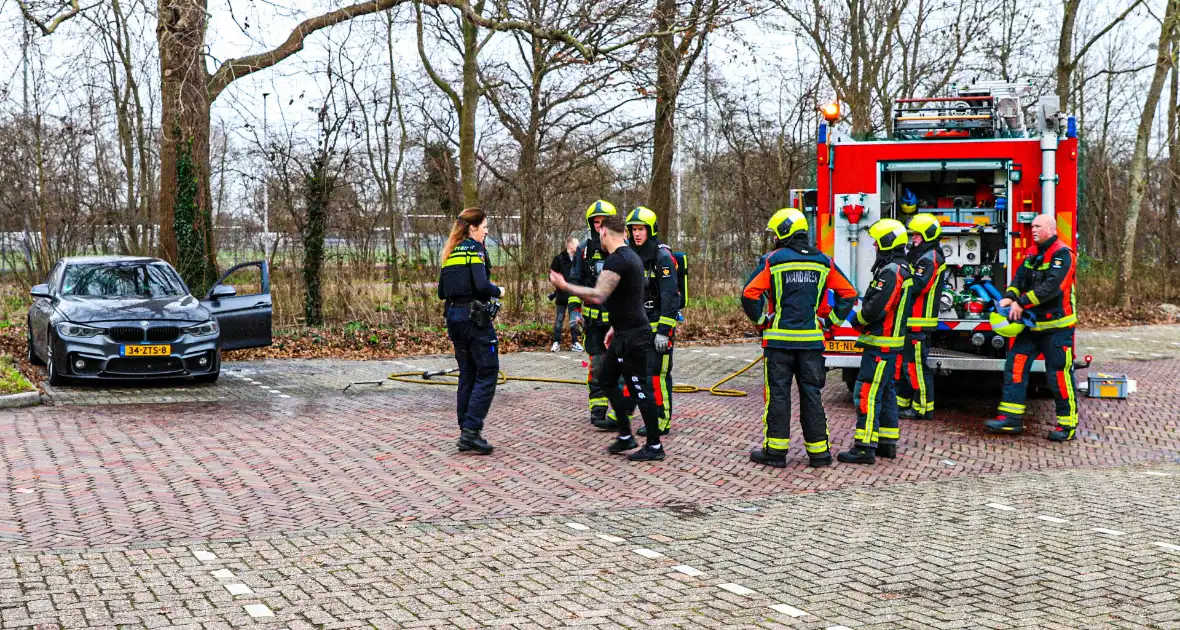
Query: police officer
661, 301
593, 319
785, 297
915, 385
1042, 292
465, 285
881, 320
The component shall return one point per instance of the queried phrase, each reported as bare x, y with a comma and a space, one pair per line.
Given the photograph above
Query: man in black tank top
621, 288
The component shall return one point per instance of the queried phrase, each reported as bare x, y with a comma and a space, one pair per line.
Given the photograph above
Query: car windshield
116, 280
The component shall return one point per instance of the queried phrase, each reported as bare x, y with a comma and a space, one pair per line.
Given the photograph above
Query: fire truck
971, 159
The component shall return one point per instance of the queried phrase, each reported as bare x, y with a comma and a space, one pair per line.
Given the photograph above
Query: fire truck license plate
147, 351
842, 346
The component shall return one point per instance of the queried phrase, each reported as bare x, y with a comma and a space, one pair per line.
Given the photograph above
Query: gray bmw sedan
123, 317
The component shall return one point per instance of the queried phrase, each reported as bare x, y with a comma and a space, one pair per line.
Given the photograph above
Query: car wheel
207, 378
51, 365
31, 351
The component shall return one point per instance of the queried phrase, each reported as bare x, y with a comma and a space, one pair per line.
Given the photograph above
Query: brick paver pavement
1012, 551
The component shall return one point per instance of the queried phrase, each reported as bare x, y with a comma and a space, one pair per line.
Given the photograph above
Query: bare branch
48, 29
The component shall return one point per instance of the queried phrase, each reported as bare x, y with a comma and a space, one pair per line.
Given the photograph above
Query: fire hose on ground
449, 377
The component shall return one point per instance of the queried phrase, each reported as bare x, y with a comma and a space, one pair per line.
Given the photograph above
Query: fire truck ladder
944, 117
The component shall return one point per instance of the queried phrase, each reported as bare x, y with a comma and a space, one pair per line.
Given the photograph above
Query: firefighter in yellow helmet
915, 381
593, 318
786, 298
881, 320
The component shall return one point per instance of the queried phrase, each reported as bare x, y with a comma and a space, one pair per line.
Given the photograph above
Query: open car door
240, 300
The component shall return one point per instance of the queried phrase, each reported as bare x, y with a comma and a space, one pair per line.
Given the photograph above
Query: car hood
85, 309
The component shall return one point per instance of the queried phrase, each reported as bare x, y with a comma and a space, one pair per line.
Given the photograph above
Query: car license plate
837, 345
146, 351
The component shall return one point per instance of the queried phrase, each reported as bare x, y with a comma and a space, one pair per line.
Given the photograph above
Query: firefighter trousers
876, 398
915, 381
1057, 347
596, 347
807, 369
659, 368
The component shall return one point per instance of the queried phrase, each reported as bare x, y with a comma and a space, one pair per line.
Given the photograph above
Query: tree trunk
664, 134
471, 93
186, 220
1138, 174
317, 193
1065, 65
1172, 199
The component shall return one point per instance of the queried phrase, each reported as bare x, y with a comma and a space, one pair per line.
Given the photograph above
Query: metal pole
265, 187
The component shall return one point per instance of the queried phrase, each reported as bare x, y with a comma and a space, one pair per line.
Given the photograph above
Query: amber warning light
831, 112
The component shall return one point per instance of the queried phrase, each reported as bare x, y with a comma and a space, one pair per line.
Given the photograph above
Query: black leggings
627, 358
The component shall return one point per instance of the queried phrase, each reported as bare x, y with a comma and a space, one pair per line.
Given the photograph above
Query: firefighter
661, 301
1041, 294
786, 297
593, 319
465, 285
915, 385
881, 320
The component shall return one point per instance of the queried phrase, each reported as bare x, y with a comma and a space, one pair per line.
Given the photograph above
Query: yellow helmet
645, 216
926, 225
889, 234
1003, 326
786, 222
600, 208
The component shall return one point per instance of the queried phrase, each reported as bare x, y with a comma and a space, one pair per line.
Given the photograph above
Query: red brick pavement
104, 475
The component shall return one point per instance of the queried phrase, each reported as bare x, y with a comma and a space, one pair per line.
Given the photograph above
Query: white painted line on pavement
687, 570
283, 396
948, 462
839, 628
1157, 474
223, 574
204, 556
238, 589
648, 553
699, 351
1156, 355
610, 539
736, 589
577, 526
748, 360
258, 610
1169, 546
1133, 352
1001, 506
24, 491
729, 357
1052, 519
274, 391
1111, 532
788, 610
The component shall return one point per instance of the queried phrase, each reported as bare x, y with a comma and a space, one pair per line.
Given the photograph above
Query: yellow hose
425, 378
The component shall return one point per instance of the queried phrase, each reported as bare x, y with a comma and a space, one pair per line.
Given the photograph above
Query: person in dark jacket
562, 264
915, 383
465, 283
786, 297
881, 320
1043, 288
593, 319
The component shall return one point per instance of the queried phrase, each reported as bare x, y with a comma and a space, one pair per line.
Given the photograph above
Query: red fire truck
971, 160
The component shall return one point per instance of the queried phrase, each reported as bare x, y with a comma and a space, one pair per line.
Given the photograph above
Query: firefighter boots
1004, 425
819, 460
1061, 434
471, 440
888, 451
909, 414
858, 455
769, 457
600, 421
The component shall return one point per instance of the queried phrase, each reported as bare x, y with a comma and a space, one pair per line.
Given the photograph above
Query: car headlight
66, 329
207, 329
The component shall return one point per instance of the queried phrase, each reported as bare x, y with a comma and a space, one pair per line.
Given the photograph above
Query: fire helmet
786, 222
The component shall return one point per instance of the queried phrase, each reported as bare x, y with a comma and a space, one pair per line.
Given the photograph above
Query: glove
662, 343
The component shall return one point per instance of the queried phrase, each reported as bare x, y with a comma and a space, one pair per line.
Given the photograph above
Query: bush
11, 381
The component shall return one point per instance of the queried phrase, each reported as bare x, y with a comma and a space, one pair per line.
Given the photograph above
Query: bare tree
1165, 55
1067, 60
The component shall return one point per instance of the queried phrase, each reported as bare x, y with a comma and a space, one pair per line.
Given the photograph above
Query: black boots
1061, 434
909, 414
471, 440
599, 419
620, 445
888, 451
819, 460
858, 455
769, 457
1004, 425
